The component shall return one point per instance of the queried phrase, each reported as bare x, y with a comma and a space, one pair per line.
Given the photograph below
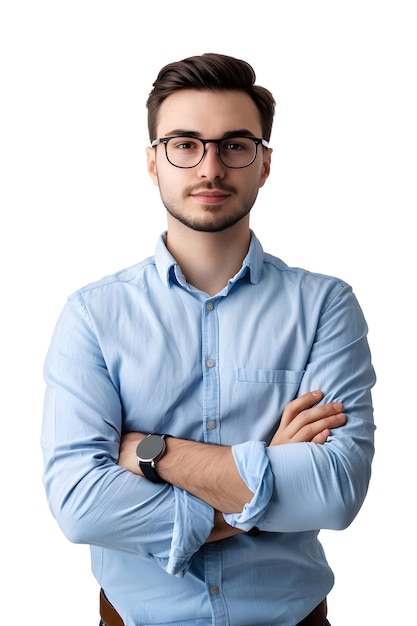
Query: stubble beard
213, 219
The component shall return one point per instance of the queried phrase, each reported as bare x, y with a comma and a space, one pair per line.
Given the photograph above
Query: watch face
150, 448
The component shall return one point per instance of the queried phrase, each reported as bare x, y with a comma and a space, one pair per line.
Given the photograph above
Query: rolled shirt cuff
255, 471
193, 522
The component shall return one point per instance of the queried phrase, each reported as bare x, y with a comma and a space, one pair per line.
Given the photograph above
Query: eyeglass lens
189, 151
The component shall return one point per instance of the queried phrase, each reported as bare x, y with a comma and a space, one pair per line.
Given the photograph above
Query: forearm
206, 471
221, 529
209, 472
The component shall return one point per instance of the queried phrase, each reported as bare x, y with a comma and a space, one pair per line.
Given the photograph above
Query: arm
94, 500
303, 486
317, 487
201, 468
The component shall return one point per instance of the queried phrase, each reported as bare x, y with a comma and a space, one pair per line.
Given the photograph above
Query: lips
210, 197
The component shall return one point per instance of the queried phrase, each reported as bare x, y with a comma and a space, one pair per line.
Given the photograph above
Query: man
209, 409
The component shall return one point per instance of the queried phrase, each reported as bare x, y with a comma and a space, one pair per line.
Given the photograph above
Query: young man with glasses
209, 410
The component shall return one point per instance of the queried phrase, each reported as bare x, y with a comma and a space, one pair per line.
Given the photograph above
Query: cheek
173, 179
255, 180
170, 184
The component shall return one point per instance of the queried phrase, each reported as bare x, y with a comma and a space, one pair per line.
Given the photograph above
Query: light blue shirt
144, 351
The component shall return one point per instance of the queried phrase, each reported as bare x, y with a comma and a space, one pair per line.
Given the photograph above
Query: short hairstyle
214, 72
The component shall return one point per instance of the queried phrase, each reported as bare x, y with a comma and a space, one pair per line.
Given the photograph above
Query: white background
76, 204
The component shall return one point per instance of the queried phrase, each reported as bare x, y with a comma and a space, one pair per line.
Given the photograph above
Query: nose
211, 167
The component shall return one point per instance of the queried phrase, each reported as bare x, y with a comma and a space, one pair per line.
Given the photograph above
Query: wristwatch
148, 452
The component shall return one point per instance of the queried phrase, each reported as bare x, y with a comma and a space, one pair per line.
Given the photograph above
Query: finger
321, 437
314, 429
317, 413
293, 408
310, 422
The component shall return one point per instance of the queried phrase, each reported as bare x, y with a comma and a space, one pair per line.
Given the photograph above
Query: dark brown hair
215, 72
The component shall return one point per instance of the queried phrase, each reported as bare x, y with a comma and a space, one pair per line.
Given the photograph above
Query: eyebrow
181, 132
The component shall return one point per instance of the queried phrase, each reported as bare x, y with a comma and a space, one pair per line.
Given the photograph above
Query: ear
151, 163
266, 166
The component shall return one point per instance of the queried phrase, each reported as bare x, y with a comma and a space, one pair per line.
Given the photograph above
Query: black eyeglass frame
256, 140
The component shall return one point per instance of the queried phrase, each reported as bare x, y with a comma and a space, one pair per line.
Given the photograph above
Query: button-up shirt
143, 350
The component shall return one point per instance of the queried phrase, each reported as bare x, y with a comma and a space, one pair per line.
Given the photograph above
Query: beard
213, 219
210, 222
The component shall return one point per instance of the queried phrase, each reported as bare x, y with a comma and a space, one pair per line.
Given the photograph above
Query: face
209, 197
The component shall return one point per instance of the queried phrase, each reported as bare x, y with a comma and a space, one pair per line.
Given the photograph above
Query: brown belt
108, 613
110, 616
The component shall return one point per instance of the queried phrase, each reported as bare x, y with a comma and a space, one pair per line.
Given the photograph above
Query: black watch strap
150, 472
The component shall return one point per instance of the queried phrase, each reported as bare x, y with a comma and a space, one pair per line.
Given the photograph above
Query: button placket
211, 387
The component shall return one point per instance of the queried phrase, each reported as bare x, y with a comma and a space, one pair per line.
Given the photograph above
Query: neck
208, 260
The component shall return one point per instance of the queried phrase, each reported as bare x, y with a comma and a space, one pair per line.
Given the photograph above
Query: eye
185, 143
237, 144
233, 146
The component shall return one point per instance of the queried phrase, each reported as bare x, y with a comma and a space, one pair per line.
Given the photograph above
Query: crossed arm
201, 468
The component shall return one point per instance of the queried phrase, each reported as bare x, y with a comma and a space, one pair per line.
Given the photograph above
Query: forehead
208, 113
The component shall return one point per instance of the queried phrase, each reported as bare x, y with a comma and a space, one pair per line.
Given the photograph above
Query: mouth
210, 197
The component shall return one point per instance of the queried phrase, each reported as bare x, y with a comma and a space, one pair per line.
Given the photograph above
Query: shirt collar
169, 270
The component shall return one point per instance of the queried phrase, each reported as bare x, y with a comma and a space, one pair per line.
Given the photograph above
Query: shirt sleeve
306, 486
255, 471
94, 500
194, 520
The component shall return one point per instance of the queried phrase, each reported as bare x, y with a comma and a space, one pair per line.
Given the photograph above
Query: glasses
187, 152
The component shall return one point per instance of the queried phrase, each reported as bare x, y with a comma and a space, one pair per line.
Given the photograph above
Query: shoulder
132, 275
269, 268
300, 275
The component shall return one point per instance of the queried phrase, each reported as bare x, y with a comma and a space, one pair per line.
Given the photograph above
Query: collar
170, 272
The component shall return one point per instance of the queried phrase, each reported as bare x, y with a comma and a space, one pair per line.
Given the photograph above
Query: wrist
149, 451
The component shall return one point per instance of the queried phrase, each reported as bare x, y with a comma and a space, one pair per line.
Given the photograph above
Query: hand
302, 421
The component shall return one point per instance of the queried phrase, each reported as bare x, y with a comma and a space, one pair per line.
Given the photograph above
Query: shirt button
214, 590
209, 306
210, 362
211, 425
